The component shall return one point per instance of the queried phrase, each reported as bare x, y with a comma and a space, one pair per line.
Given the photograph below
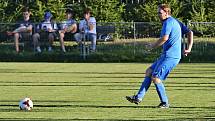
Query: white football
26, 104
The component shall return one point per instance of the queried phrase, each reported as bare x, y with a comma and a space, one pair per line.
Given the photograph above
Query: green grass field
96, 91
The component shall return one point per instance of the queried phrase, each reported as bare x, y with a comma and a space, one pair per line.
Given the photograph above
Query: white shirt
84, 25
47, 25
67, 23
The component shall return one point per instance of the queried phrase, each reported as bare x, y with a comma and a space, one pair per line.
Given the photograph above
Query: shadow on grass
99, 119
39, 119
142, 73
107, 106
43, 101
209, 87
197, 89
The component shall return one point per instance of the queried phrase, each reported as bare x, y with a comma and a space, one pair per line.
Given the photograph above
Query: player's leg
160, 73
143, 89
145, 84
161, 92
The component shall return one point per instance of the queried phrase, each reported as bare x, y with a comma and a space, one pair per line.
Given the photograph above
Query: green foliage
103, 10
9, 11
57, 8
149, 11
210, 10
109, 10
141, 13
198, 9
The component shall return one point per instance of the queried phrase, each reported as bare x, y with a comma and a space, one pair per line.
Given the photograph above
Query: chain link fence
204, 42
125, 42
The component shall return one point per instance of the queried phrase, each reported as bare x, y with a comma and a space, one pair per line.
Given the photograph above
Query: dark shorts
68, 36
24, 36
46, 35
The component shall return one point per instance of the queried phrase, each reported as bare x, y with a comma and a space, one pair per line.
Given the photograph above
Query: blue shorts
162, 67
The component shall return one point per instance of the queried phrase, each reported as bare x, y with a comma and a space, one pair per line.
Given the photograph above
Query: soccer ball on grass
26, 104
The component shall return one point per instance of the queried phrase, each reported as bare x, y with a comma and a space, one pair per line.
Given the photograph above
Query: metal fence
204, 41
124, 41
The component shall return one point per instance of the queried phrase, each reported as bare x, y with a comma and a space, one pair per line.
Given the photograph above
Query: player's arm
190, 43
189, 33
166, 30
159, 42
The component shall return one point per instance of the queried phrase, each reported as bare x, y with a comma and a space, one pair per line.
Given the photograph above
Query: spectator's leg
36, 38
78, 37
16, 38
51, 40
62, 42
93, 41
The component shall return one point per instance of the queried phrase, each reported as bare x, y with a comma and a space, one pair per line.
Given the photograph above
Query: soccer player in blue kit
170, 38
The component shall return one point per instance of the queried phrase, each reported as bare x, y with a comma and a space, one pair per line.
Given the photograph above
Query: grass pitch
96, 91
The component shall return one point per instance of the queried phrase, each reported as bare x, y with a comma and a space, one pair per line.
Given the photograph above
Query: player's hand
186, 52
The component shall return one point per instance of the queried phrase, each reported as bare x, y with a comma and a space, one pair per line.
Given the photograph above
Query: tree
141, 12
103, 10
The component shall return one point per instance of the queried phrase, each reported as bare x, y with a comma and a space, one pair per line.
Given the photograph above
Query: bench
105, 32
9, 39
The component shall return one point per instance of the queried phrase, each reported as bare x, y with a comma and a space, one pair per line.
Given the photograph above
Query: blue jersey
172, 47
184, 29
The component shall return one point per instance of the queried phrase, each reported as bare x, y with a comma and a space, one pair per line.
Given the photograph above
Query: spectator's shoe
133, 99
92, 51
50, 49
163, 105
38, 50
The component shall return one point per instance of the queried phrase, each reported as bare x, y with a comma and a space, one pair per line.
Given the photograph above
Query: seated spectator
46, 29
67, 27
23, 29
87, 28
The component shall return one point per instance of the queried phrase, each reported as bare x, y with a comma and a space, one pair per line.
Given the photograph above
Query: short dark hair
69, 10
26, 9
87, 10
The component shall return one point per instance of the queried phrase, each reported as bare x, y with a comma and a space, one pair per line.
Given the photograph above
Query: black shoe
133, 99
163, 105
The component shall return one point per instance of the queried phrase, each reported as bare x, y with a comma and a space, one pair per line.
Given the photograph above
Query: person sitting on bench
67, 27
23, 28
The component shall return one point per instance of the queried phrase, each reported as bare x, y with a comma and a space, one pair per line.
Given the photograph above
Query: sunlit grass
96, 91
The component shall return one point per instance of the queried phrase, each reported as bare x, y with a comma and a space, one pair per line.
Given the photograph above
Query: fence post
134, 26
